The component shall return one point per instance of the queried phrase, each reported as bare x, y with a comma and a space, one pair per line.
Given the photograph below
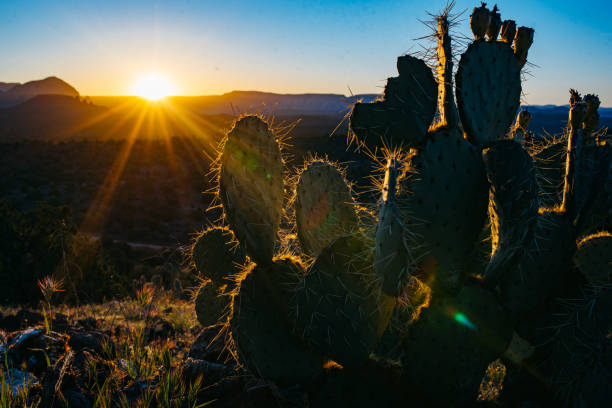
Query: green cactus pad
211, 303
546, 260
251, 186
339, 308
597, 211
217, 255
392, 261
594, 258
582, 349
405, 113
324, 207
593, 188
447, 350
550, 168
488, 90
513, 205
261, 330
443, 204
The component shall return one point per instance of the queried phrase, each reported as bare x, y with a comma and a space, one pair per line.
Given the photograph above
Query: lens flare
462, 319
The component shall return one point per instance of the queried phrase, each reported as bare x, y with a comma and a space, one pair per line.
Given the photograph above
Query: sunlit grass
135, 360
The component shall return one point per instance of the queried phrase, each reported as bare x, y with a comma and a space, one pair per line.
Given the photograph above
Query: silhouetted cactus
324, 207
251, 186
441, 182
594, 258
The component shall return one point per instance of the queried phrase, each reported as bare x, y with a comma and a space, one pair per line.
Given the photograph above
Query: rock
52, 383
33, 347
229, 392
60, 322
89, 323
92, 340
209, 372
210, 345
76, 399
159, 329
21, 319
134, 392
17, 380
83, 363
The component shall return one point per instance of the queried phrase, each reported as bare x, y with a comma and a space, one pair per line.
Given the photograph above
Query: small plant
48, 287
144, 297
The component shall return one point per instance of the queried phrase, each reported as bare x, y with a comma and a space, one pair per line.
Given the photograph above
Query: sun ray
114, 111
96, 214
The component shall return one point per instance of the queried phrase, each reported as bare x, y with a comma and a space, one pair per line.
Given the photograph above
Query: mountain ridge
12, 94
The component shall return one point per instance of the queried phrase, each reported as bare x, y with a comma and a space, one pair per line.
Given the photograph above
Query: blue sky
210, 47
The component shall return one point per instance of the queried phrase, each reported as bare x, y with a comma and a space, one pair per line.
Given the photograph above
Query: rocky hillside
13, 94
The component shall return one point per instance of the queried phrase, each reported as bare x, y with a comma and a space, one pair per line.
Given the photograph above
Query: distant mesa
5, 86
12, 94
236, 102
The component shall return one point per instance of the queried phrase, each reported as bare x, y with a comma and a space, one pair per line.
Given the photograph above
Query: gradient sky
211, 47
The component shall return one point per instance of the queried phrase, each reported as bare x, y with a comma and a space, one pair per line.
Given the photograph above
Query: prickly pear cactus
406, 111
522, 41
392, 259
251, 186
582, 349
324, 206
288, 318
211, 303
548, 256
513, 205
488, 90
594, 258
339, 308
550, 167
519, 132
217, 255
261, 329
433, 198
451, 344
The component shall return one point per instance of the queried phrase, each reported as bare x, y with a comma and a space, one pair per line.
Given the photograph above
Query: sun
153, 87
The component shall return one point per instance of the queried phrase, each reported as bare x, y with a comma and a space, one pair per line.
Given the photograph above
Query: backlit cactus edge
289, 313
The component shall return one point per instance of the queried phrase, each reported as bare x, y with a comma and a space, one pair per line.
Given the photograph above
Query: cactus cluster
352, 284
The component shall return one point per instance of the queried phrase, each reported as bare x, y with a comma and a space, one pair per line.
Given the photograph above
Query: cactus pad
488, 90
405, 113
550, 169
597, 213
261, 330
443, 204
251, 186
543, 263
594, 258
217, 255
513, 205
593, 179
339, 308
324, 207
392, 261
211, 303
582, 349
447, 350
